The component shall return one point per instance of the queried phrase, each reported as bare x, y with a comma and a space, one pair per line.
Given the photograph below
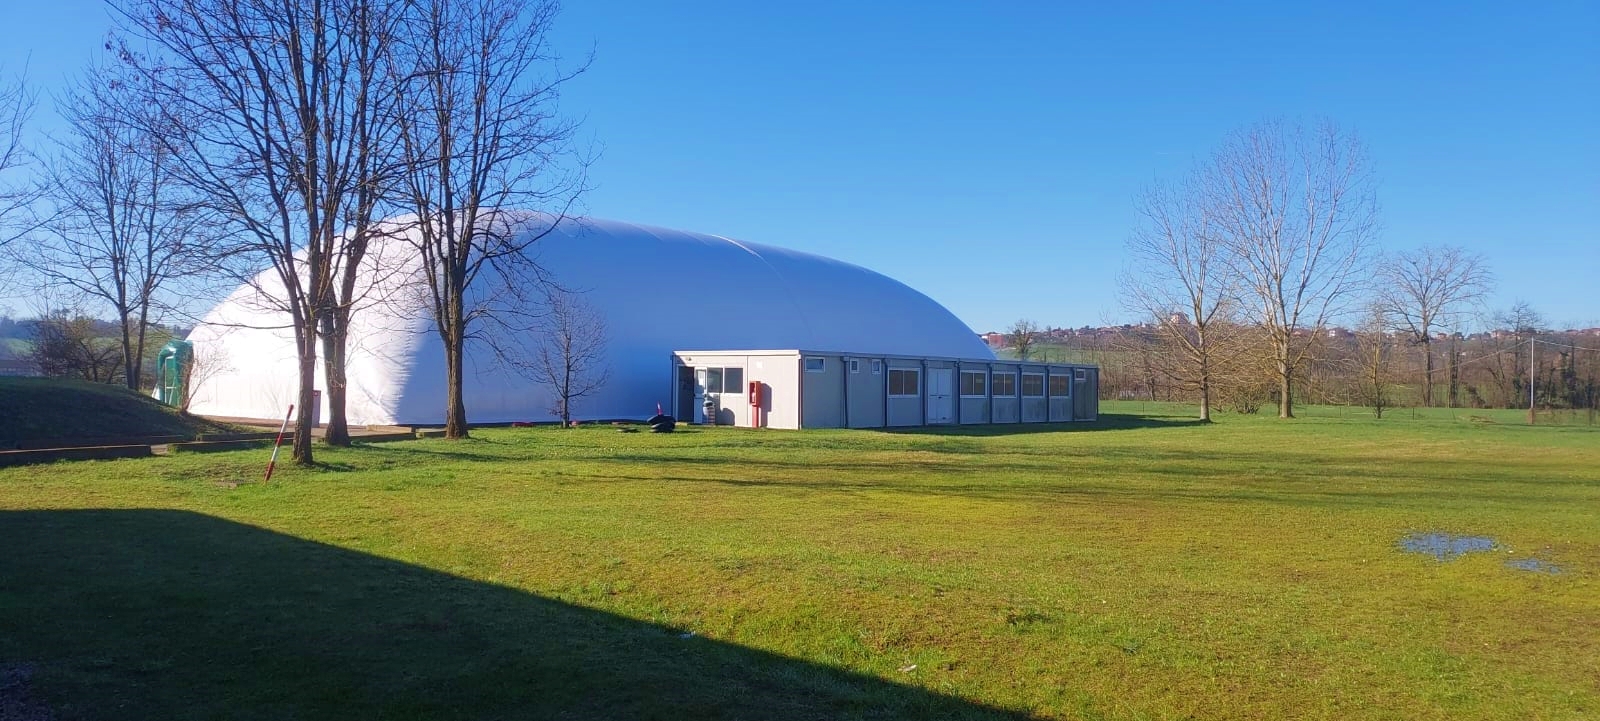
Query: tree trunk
1455, 374
1280, 351
455, 425
1285, 388
138, 348
1377, 383
306, 407
334, 341
566, 384
130, 374
1427, 371
138, 354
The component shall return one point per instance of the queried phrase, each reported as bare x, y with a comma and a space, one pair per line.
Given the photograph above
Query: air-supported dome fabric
657, 291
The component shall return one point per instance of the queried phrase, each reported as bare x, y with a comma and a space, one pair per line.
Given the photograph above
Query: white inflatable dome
657, 290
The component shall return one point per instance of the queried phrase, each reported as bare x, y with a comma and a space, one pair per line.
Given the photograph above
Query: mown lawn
1142, 568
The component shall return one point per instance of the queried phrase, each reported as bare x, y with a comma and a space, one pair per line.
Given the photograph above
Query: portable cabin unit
817, 389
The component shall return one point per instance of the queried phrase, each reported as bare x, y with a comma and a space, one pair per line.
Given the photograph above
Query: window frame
1066, 383
983, 382
1079, 374
1022, 385
855, 365
738, 387
822, 364
1010, 377
916, 383
877, 367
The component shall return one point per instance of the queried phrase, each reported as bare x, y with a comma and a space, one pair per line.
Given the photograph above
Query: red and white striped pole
278, 442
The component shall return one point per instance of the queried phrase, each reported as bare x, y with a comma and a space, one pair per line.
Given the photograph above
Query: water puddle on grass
1535, 565
1446, 547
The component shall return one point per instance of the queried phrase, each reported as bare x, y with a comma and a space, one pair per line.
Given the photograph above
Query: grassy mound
55, 409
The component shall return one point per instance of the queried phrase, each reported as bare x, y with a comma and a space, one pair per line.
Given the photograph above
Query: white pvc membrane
658, 290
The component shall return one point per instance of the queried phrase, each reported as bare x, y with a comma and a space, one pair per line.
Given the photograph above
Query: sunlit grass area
1144, 567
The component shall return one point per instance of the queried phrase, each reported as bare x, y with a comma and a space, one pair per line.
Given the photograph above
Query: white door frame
941, 396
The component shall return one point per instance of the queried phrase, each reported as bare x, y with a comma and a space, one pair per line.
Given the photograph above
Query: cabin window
972, 384
855, 366
1005, 384
713, 380
905, 382
816, 365
1080, 374
732, 380
1060, 386
1033, 385
877, 367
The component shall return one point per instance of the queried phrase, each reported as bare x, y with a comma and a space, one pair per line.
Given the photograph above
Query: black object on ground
662, 423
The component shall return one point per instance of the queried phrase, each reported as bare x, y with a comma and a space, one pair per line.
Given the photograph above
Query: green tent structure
172, 372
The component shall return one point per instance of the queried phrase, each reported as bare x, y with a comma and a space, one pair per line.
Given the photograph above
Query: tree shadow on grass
1107, 422
174, 615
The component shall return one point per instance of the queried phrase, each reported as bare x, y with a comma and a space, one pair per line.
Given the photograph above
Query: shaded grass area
184, 615
1145, 567
57, 409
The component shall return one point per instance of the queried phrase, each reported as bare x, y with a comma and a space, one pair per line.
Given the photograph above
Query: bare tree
1522, 319
1428, 289
263, 104
1297, 210
16, 106
117, 231
368, 114
1180, 280
480, 135
205, 365
571, 355
1525, 324
1374, 360
1021, 336
65, 344
1251, 376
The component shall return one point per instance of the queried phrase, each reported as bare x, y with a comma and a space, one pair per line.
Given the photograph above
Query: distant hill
52, 408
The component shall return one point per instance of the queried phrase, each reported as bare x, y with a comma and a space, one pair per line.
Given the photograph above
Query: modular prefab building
817, 389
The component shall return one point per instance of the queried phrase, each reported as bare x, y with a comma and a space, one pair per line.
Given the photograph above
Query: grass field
1142, 568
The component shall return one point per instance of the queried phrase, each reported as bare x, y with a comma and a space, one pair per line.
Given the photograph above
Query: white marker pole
278, 442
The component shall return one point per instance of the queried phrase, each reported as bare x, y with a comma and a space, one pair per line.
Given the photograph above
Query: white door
700, 396
941, 395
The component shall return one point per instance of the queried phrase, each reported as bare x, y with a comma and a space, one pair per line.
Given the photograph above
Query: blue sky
987, 154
